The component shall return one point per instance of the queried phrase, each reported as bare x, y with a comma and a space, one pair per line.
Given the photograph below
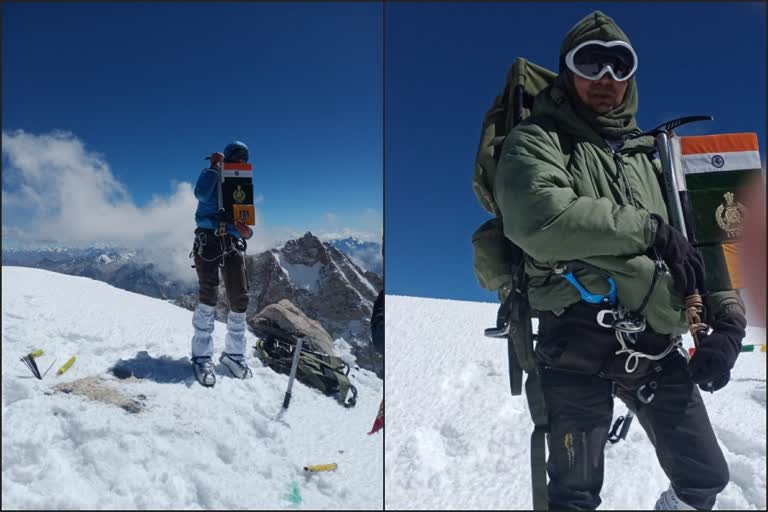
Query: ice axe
294, 366
680, 207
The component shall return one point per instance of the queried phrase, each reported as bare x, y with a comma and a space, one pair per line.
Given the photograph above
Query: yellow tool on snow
36, 353
321, 467
66, 365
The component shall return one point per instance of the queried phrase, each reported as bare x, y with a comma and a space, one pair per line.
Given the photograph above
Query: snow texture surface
302, 276
457, 438
157, 439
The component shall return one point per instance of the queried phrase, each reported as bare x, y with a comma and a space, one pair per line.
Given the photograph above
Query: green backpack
327, 373
497, 261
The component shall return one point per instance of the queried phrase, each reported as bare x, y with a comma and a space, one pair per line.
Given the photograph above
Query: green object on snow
294, 497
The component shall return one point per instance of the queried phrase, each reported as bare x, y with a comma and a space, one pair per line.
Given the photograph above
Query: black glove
684, 261
711, 364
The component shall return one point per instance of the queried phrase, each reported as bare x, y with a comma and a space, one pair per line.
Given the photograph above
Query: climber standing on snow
577, 180
219, 246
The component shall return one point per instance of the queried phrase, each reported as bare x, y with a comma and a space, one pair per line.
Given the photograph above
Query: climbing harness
627, 324
228, 245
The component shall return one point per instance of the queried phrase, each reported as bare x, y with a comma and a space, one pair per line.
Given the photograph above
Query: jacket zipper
660, 265
620, 170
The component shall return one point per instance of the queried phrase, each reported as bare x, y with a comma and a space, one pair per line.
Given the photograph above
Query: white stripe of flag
237, 174
698, 163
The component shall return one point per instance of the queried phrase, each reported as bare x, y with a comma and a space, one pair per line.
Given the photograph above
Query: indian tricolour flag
712, 170
237, 191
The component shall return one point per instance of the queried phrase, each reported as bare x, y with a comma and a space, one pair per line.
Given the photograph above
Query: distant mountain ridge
125, 269
366, 255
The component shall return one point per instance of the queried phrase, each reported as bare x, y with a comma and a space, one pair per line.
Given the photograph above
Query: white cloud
331, 218
367, 226
12, 233
70, 196
365, 236
74, 199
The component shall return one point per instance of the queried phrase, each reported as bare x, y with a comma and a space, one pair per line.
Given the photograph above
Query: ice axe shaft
679, 206
294, 366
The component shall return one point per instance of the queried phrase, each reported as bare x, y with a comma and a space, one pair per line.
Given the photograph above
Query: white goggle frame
607, 68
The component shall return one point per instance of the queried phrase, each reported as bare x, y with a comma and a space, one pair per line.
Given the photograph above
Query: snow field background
229, 447
457, 438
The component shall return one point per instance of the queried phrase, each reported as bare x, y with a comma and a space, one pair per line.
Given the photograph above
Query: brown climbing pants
208, 250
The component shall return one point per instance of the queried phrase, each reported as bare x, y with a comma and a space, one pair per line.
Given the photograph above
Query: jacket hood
618, 123
594, 26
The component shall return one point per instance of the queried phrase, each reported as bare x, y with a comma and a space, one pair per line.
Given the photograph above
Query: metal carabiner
647, 399
601, 318
587, 296
630, 325
623, 320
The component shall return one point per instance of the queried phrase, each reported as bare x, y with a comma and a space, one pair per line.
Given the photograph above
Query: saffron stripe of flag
233, 166
719, 153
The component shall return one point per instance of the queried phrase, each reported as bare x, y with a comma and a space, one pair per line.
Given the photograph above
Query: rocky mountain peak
306, 250
320, 281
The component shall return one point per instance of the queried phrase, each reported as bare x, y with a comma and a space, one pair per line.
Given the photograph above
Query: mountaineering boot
669, 500
203, 368
236, 364
234, 346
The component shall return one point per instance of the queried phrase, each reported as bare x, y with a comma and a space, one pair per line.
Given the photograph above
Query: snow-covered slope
229, 447
130, 270
457, 438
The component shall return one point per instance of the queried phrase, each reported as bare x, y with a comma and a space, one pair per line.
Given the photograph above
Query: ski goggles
593, 59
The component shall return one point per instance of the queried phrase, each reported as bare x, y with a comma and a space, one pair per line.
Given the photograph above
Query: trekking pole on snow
294, 365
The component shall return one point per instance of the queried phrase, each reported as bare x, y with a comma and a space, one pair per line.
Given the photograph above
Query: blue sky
146, 90
445, 63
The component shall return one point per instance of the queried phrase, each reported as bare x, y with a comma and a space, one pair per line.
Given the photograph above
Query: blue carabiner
593, 298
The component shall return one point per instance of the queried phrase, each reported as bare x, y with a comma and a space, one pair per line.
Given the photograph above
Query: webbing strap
539, 469
515, 371
538, 409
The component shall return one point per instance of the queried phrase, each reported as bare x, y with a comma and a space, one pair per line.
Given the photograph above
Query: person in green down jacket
578, 189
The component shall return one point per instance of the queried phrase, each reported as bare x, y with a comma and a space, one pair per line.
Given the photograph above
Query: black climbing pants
208, 252
581, 374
